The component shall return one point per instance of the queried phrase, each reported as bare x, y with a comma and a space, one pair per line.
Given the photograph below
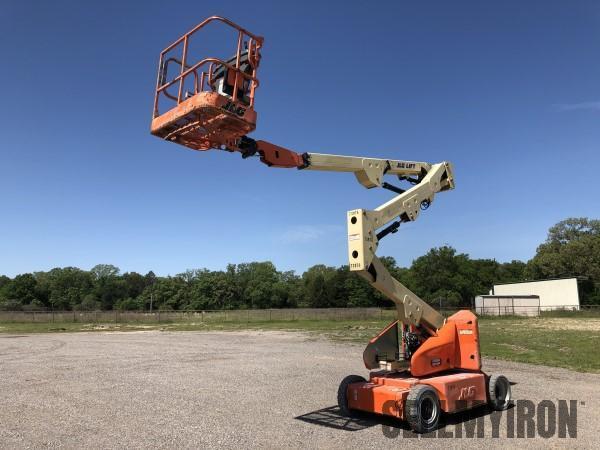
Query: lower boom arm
363, 241
363, 238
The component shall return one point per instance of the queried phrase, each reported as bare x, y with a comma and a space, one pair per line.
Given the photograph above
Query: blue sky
508, 92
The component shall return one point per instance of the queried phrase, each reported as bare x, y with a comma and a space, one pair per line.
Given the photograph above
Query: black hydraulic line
391, 187
392, 228
409, 179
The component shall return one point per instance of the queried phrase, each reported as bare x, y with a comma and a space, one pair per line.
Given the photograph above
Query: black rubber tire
342, 395
422, 408
499, 392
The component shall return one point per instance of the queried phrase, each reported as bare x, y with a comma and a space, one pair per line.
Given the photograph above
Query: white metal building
560, 293
507, 305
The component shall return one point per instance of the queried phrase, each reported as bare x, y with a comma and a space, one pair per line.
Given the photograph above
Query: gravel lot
228, 389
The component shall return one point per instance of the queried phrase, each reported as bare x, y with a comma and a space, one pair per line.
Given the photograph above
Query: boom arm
363, 238
218, 113
363, 241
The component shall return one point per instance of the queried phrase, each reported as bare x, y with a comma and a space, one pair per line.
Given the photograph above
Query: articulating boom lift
422, 364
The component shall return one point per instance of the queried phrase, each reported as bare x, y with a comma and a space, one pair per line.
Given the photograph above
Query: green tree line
441, 276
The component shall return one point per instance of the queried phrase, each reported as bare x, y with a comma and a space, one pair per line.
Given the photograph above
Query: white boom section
368, 171
363, 224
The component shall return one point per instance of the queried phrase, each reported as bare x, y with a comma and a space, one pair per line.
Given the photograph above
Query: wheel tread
411, 408
493, 401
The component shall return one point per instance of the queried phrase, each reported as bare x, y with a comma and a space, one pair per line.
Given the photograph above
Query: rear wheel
342, 395
499, 392
422, 409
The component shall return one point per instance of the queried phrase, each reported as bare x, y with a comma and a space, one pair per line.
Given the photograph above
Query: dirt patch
567, 323
514, 348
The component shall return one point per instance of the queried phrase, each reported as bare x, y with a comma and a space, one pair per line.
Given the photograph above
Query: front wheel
499, 392
422, 408
342, 395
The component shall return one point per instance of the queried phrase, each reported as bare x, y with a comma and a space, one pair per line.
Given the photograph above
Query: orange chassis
449, 362
386, 393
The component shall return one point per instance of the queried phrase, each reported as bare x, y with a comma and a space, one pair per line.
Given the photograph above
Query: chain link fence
244, 315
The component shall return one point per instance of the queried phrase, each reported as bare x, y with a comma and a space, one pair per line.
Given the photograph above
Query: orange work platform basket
210, 103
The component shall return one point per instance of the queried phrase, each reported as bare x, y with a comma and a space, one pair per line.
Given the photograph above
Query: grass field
569, 342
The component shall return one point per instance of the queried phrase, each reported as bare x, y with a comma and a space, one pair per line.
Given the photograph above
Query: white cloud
590, 106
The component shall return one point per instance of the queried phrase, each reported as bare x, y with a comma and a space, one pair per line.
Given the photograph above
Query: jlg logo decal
467, 393
233, 108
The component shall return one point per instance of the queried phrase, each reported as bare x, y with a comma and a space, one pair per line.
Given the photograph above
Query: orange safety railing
203, 71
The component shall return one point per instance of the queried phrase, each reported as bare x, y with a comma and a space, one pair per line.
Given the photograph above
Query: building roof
537, 281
